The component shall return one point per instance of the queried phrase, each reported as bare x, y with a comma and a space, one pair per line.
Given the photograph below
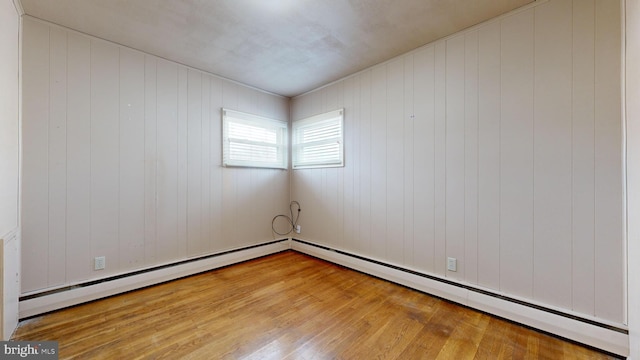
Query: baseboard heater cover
602, 336
43, 302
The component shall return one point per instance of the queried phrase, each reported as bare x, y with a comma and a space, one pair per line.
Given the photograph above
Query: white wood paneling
512, 163
167, 164
105, 155
132, 158
339, 104
471, 69
330, 197
552, 154
182, 166
516, 155
194, 162
632, 122
489, 155
9, 119
242, 200
408, 157
350, 130
330, 183
455, 154
424, 160
150, 160
123, 161
609, 238
365, 161
57, 172
9, 167
215, 180
379, 162
205, 165
583, 203
35, 156
229, 183
440, 165
395, 161
78, 157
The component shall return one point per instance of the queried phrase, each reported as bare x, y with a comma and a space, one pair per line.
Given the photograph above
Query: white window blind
253, 141
318, 141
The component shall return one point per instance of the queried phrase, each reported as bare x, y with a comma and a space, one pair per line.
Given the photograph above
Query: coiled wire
292, 223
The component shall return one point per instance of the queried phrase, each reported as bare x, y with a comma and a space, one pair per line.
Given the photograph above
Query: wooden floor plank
287, 306
465, 339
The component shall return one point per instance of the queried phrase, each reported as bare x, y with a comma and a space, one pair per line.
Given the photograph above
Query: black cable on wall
293, 223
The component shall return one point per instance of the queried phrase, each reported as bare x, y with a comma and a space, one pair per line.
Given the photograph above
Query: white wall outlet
452, 264
298, 229
99, 263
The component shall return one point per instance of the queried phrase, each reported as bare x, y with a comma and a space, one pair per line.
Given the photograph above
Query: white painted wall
122, 158
500, 146
632, 82
9, 90
9, 166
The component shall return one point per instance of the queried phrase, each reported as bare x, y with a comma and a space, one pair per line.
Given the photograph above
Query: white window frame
316, 122
231, 117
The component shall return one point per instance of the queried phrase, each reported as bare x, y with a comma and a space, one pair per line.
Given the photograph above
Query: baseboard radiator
38, 303
610, 338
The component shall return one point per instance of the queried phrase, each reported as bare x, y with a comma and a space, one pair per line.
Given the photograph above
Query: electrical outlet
298, 229
99, 263
452, 264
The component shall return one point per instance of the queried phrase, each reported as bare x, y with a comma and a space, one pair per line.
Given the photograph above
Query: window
318, 141
253, 141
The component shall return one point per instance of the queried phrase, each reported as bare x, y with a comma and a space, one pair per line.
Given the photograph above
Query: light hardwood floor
287, 306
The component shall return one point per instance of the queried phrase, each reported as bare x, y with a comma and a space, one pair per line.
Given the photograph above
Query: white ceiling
286, 47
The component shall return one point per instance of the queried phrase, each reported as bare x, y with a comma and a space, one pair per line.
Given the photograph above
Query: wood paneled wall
632, 113
9, 166
122, 158
500, 146
9, 120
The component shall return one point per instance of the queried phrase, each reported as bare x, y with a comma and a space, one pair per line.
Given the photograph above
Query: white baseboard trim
601, 337
77, 295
